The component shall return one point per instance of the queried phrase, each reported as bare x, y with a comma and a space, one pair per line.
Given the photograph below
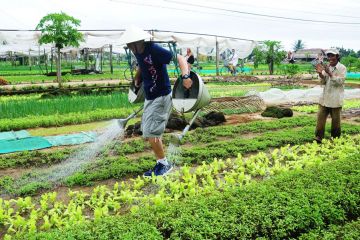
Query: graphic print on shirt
152, 71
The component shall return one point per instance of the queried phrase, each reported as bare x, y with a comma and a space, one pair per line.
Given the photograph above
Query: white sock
163, 161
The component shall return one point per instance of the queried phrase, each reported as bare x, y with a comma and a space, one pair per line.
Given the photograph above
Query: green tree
298, 44
60, 30
346, 52
273, 54
357, 65
349, 62
258, 56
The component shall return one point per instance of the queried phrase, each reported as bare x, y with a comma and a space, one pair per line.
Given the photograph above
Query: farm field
118, 122
247, 156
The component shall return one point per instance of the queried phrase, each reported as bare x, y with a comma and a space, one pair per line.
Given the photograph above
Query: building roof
308, 53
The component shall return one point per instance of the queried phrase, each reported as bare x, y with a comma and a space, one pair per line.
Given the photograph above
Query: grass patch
68, 129
348, 104
37, 106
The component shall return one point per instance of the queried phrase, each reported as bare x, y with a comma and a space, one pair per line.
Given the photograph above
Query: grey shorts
155, 116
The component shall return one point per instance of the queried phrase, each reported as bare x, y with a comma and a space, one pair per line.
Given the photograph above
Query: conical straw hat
134, 34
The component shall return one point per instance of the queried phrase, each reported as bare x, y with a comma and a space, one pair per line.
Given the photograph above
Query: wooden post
217, 57
87, 58
197, 53
46, 62
39, 60
101, 58
111, 63
11, 59
29, 60
58, 63
52, 58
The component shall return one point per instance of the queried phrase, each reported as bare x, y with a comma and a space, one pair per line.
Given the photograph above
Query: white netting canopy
207, 44
26, 42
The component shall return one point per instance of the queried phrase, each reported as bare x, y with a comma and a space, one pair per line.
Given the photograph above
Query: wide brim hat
134, 34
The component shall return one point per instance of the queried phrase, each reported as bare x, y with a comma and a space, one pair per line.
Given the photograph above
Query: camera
315, 62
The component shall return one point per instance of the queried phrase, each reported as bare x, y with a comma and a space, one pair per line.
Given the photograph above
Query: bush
348, 231
291, 69
3, 81
276, 112
285, 207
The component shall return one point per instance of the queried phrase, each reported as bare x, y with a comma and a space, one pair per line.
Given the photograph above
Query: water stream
79, 159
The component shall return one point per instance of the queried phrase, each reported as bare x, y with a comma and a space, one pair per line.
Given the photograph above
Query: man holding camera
332, 76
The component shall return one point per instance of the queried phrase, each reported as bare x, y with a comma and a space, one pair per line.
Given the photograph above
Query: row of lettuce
307, 191
123, 160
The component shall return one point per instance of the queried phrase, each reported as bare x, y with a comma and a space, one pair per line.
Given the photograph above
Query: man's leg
335, 122
157, 147
232, 69
155, 117
321, 121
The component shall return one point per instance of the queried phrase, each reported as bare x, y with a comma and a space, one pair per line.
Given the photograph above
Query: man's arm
322, 74
340, 78
137, 77
184, 71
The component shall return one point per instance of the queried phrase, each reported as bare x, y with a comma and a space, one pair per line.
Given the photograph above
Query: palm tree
273, 54
298, 44
61, 30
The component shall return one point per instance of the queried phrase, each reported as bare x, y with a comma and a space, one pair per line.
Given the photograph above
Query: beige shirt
333, 94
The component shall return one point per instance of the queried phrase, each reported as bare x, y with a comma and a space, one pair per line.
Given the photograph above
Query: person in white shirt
233, 62
332, 76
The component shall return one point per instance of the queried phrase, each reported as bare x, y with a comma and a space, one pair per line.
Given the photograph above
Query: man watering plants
152, 72
332, 76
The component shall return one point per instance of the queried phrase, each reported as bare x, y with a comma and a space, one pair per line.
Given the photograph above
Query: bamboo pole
111, 62
217, 57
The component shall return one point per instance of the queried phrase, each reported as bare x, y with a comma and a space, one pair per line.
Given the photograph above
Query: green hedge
62, 119
230, 148
33, 158
285, 207
349, 231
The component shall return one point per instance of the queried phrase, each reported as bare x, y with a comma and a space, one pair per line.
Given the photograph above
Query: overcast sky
324, 24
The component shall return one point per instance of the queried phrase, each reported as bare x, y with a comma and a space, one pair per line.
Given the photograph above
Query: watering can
188, 100
135, 95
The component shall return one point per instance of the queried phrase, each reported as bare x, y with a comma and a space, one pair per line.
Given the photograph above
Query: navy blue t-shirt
152, 63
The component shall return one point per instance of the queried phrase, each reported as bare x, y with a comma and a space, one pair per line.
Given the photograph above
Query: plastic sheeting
26, 42
277, 96
72, 139
22, 141
14, 135
207, 44
25, 144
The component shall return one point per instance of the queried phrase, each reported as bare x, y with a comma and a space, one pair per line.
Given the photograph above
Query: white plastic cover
275, 96
26, 42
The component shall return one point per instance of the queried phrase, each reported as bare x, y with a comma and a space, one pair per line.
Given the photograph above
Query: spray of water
88, 154
80, 158
173, 154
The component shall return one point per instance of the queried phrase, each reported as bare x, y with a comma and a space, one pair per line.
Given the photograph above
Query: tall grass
16, 107
235, 90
